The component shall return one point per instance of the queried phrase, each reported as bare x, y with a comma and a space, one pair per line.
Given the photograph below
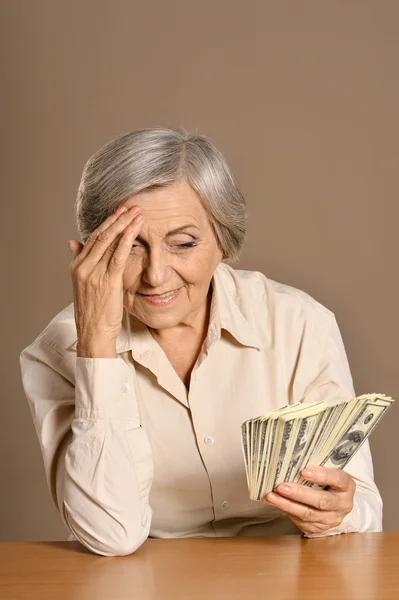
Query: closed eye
186, 245
183, 245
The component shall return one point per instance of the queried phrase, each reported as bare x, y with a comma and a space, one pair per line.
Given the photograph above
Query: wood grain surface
353, 566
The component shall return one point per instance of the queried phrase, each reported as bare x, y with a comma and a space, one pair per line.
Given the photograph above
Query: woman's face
175, 253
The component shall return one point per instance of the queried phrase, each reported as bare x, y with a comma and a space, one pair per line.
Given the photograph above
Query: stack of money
279, 444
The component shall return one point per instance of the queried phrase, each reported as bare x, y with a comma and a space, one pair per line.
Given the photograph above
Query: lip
157, 301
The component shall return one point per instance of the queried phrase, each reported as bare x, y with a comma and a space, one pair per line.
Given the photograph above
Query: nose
156, 270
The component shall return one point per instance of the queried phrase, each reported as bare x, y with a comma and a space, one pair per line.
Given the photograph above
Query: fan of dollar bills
279, 444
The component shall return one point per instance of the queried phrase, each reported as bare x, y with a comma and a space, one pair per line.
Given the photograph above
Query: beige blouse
130, 453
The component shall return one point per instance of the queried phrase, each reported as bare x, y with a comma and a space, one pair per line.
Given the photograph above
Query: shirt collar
227, 310
226, 314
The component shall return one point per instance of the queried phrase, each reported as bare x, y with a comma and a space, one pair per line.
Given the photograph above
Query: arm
97, 457
352, 502
334, 380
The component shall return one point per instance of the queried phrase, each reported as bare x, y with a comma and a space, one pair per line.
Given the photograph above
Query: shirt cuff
104, 388
349, 524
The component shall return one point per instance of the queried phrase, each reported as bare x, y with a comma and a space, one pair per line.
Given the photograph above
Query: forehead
175, 203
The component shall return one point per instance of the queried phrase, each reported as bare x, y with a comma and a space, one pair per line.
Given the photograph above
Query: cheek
199, 268
131, 275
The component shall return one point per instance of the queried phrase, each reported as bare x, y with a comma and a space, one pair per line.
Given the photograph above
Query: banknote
278, 445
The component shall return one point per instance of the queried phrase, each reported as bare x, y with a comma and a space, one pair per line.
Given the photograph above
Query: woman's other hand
96, 272
314, 511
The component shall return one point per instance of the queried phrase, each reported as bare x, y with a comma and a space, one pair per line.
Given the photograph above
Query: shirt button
225, 505
126, 387
209, 440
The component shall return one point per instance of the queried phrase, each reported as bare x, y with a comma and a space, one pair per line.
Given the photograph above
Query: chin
159, 321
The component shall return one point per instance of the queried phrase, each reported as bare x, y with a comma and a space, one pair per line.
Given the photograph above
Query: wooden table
354, 566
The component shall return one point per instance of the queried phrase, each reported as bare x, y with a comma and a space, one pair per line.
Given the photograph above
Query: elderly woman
138, 388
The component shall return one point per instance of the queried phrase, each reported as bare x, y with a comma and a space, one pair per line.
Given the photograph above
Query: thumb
75, 246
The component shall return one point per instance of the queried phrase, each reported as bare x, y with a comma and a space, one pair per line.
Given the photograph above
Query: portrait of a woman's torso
139, 387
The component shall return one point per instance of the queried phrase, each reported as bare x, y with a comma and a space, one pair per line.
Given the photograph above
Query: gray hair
150, 158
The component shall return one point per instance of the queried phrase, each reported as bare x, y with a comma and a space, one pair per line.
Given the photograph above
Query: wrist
93, 348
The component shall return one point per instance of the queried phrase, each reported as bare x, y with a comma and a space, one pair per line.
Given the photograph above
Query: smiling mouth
164, 295
161, 300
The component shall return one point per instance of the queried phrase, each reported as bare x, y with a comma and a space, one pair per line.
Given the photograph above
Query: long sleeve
334, 380
97, 457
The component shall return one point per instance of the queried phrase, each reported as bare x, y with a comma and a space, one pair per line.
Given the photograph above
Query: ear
75, 246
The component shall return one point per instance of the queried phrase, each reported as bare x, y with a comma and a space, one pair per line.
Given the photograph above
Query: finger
314, 527
308, 514
106, 223
334, 478
323, 500
116, 255
108, 236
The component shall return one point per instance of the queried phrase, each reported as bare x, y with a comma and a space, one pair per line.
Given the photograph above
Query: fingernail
272, 498
134, 210
120, 210
138, 218
308, 474
286, 489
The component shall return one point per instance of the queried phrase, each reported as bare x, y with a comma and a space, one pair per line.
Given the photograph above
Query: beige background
301, 96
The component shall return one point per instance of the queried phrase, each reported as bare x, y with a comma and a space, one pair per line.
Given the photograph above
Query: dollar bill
278, 445
356, 434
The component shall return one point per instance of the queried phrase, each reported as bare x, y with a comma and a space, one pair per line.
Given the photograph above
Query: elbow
113, 541
370, 508
122, 547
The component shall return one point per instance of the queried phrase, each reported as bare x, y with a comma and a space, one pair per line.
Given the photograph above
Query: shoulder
59, 334
283, 309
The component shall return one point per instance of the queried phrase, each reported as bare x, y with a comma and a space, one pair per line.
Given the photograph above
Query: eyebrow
174, 231
179, 229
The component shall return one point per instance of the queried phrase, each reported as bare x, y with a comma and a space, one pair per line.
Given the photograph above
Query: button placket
203, 424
